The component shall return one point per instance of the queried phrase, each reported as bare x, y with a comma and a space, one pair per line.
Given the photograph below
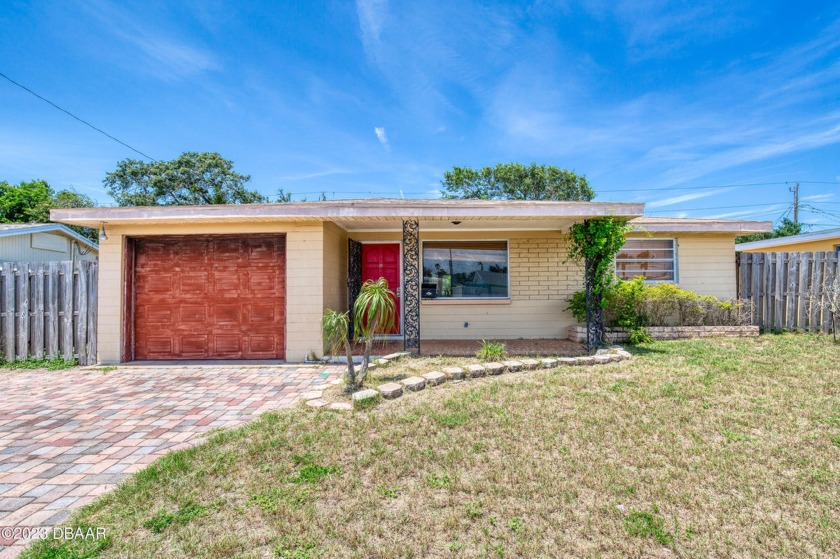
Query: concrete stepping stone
549, 363
312, 395
365, 398
512, 366
382, 362
454, 373
530, 364
390, 390
393, 356
341, 406
589, 360
494, 368
316, 403
572, 361
602, 359
414, 384
434, 378
477, 370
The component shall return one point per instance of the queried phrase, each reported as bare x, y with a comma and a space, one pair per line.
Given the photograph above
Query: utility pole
795, 191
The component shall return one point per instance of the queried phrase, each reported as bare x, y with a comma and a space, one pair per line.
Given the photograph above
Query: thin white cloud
684, 198
383, 138
165, 57
819, 197
371, 15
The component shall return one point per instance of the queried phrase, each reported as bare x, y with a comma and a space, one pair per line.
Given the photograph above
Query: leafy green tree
514, 181
785, 229
25, 202
193, 178
31, 202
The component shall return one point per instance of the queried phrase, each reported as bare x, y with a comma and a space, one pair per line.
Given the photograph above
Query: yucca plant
335, 330
373, 313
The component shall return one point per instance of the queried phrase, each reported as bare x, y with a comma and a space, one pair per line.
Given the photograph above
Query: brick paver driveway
68, 436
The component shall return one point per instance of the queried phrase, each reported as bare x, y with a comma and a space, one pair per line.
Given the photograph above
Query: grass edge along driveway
695, 448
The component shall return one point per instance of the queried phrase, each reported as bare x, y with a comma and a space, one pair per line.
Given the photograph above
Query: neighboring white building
43, 242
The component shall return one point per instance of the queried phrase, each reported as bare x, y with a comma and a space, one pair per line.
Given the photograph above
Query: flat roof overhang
698, 225
353, 213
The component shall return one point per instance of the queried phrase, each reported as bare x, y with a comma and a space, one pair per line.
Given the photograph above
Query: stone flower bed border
578, 333
367, 398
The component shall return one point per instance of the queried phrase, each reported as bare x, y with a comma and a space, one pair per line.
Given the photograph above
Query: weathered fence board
788, 289
48, 309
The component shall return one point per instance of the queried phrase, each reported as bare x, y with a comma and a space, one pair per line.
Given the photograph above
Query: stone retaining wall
578, 333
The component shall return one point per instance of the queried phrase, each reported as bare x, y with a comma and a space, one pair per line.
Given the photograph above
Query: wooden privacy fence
787, 288
48, 309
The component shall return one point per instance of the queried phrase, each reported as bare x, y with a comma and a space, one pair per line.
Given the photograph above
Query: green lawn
723, 448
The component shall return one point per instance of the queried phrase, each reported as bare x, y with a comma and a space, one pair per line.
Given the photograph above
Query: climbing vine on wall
596, 242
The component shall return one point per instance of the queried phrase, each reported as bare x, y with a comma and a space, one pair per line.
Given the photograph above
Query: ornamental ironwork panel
411, 291
354, 277
594, 309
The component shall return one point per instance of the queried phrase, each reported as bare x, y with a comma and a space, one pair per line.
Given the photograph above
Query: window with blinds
654, 259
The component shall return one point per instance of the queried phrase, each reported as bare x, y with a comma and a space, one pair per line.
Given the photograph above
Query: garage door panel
211, 297
159, 347
195, 347
230, 313
193, 283
229, 345
227, 282
263, 313
193, 313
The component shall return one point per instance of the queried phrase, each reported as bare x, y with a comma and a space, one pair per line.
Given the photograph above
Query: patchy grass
57, 363
696, 448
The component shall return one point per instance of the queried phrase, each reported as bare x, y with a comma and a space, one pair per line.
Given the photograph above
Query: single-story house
252, 281
43, 242
827, 240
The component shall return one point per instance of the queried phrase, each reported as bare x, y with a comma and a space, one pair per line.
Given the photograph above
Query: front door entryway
382, 260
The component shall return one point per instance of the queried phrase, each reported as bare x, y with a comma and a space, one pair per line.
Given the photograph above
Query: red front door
383, 261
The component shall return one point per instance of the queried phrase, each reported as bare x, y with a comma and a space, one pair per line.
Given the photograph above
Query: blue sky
668, 103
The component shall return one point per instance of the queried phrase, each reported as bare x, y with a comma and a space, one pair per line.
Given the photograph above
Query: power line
86, 123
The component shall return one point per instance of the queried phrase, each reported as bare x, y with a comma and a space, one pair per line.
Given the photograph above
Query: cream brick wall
706, 262
304, 280
540, 285
335, 267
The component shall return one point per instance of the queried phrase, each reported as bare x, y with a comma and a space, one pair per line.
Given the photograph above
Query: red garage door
210, 297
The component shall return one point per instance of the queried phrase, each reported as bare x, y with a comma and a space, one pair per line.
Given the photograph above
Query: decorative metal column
354, 278
594, 310
411, 290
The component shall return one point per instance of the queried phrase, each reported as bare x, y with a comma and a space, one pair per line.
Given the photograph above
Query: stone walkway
68, 436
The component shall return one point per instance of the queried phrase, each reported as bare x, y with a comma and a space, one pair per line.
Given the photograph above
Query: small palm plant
373, 313
334, 328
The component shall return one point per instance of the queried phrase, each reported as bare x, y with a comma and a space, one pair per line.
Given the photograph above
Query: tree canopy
514, 181
31, 202
193, 178
784, 229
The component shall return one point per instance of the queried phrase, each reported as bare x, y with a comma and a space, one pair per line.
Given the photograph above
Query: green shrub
491, 351
638, 335
624, 304
634, 305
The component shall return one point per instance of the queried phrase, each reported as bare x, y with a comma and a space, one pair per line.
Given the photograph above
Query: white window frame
675, 258
507, 252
